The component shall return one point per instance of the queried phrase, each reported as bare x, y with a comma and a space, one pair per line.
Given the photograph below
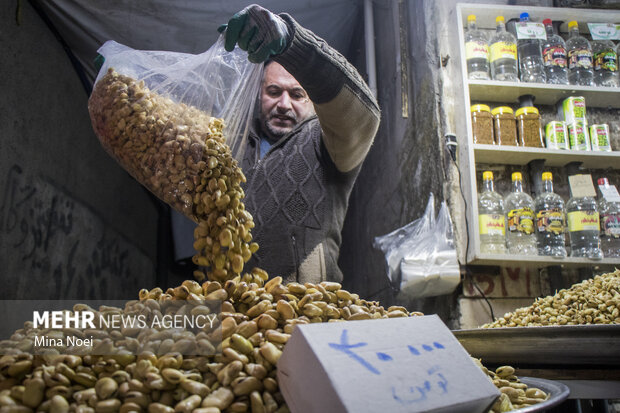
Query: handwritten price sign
398, 365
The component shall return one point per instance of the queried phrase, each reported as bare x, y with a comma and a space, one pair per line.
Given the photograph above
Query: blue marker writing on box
345, 347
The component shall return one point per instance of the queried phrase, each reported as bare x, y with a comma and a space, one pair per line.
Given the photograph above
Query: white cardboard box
393, 365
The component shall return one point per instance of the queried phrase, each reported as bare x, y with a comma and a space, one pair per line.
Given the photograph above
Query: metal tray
558, 392
592, 345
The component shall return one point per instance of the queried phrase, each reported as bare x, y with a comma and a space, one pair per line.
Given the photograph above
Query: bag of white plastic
176, 120
421, 256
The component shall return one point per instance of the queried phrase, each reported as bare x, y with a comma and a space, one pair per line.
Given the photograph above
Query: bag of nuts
178, 124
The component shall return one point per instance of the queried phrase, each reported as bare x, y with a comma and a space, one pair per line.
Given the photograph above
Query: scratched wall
73, 224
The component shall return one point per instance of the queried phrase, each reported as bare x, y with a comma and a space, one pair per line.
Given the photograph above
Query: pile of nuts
257, 318
179, 153
593, 301
514, 394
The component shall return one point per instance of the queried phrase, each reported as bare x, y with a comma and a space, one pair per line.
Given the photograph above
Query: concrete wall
405, 163
73, 224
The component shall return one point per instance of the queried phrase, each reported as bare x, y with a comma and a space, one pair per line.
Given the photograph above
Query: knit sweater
298, 192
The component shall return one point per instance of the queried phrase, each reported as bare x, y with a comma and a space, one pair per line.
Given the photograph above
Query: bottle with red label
609, 208
491, 218
550, 220
584, 227
476, 51
580, 61
554, 56
519, 206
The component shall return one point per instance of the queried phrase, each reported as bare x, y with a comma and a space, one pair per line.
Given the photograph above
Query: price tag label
581, 185
604, 31
529, 30
610, 193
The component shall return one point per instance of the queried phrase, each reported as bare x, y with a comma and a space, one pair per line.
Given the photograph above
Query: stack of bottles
519, 224
576, 61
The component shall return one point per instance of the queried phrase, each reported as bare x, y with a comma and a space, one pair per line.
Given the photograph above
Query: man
316, 124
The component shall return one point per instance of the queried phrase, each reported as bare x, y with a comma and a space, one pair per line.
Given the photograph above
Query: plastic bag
165, 116
421, 256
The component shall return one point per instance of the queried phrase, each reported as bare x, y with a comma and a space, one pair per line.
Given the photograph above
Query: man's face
284, 103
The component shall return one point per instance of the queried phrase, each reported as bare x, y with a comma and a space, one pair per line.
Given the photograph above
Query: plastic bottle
531, 67
605, 63
554, 56
610, 223
492, 223
503, 49
519, 206
579, 54
584, 227
550, 220
476, 51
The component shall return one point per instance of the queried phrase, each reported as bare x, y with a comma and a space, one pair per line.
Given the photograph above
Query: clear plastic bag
421, 256
165, 116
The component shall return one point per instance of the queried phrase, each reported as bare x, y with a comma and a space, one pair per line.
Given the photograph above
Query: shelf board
519, 155
507, 260
509, 92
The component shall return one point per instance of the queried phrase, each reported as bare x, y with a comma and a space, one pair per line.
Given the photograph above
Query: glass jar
504, 126
482, 124
529, 128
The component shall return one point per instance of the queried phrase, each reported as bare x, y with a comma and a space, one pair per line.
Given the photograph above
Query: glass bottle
610, 221
491, 220
519, 206
554, 56
605, 63
550, 220
579, 54
531, 67
503, 53
476, 51
584, 227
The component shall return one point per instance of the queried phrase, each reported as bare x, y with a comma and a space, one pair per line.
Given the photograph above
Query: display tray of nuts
557, 393
545, 345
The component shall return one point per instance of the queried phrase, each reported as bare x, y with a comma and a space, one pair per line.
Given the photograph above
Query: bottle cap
547, 22
487, 175
547, 176
516, 176
603, 181
572, 24
526, 110
499, 19
524, 17
480, 108
502, 109
471, 18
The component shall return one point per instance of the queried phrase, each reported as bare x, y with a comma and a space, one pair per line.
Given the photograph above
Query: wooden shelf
520, 155
541, 261
509, 92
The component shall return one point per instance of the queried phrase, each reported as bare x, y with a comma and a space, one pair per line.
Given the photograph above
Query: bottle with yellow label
491, 220
519, 206
550, 220
584, 227
476, 51
503, 52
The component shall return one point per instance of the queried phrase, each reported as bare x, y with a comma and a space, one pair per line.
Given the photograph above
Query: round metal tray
558, 392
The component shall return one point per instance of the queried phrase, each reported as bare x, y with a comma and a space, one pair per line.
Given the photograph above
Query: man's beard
277, 132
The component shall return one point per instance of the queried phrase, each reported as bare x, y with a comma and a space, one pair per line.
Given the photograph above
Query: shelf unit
508, 93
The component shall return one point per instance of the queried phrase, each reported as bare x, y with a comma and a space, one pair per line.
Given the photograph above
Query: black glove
258, 31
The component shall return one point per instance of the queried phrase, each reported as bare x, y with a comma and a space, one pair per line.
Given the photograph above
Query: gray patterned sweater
298, 192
